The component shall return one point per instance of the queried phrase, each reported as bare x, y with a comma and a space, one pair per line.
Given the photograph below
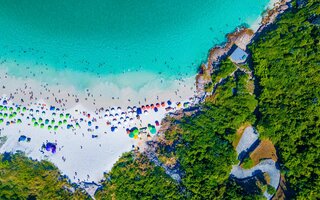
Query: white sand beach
89, 134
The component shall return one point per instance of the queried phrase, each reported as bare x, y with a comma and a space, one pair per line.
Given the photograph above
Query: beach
83, 122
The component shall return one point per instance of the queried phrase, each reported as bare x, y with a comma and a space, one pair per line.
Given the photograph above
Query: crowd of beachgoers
69, 134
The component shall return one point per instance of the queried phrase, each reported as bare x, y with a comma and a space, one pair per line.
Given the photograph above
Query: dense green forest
22, 178
286, 61
285, 108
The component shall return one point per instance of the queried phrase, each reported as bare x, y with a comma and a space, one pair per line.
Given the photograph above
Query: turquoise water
102, 37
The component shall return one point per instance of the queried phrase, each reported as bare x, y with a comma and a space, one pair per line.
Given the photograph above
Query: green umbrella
131, 135
135, 132
49, 127
19, 121
60, 123
40, 120
1, 120
64, 121
35, 124
46, 121
1, 107
42, 125
24, 109
10, 109
33, 119
53, 121
61, 115
5, 115
55, 128
153, 130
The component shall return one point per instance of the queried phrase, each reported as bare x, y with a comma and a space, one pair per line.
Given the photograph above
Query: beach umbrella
158, 105
67, 115
24, 109
64, 121
53, 121
33, 119
1, 120
19, 121
147, 106
153, 130
1, 107
10, 109
97, 127
51, 147
186, 104
42, 125
135, 131
143, 107
55, 128
22, 138
35, 124
46, 121
10, 116
61, 115
18, 109
52, 108
77, 125
43, 112
7, 123
163, 104
5, 115
139, 111
157, 123
5, 108
1, 114
152, 106
40, 120
4, 102
169, 102
155, 109
49, 127
89, 123
131, 135
135, 137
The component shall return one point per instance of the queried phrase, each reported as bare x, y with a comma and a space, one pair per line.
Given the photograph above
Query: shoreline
96, 160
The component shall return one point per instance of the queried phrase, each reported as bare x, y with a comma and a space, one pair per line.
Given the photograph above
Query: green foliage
287, 64
270, 189
204, 141
226, 68
247, 163
22, 178
135, 177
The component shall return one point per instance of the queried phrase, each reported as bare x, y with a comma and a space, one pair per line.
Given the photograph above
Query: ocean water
168, 39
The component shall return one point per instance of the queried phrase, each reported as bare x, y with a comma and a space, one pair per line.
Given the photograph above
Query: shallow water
170, 38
